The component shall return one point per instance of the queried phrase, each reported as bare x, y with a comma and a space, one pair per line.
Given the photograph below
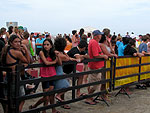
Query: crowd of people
18, 46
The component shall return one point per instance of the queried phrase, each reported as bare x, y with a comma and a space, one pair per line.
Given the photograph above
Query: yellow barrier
145, 59
126, 71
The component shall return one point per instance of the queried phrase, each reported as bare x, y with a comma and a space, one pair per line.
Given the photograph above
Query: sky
63, 16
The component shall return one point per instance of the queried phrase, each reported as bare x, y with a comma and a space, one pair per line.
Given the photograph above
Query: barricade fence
119, 72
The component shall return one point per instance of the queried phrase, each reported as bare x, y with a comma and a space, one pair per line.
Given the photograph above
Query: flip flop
60, 100
90, 103
65, 107
82, 94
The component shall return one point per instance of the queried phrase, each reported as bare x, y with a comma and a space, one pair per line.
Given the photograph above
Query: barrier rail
120, 72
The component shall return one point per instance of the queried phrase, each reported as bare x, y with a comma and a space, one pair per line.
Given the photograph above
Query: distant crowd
19, 46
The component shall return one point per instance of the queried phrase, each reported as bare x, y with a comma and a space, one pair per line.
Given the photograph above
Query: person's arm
58, 59
106, 52
41, 54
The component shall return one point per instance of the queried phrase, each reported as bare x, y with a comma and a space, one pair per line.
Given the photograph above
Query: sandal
65, 107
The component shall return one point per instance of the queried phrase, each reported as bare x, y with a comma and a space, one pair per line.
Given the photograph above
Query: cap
20, 27
97, 32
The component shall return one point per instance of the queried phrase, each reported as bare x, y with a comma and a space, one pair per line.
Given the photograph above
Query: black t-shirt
129, 50
74, 51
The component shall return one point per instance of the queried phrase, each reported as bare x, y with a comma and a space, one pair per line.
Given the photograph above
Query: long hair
51, 51
6, 49
60, 44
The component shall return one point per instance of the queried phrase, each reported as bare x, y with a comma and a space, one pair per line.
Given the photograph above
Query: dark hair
82, 44
81, 32
125, 40
103, 38
51, 51
114, 37
10, 29
144, 38
6, 48
74, 32
26, 35
131, 43
113, 42
69, 39
89, 34
60, 44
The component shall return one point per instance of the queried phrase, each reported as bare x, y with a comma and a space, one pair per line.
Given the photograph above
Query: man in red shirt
95, 51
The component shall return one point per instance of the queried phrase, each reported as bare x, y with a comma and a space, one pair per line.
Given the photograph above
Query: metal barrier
119, 73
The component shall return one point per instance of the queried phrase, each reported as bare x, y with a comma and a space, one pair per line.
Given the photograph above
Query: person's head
97, 35
89, 35
48, 49
132, 42
114, 37
20, 29
60, 44
48, 36
145, 38
3, 31
106, 31
84, 37
68, 38
40, 36
125, 40
82, 45
103, 39
14, 41
81, 32
16, 29
74, 32
10, 29
26, 35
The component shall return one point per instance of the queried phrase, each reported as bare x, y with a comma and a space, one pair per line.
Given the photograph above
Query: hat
20, 27
97, 32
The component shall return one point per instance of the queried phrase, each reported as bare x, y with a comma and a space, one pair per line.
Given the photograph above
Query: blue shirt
121, 48
143, 47
40, 41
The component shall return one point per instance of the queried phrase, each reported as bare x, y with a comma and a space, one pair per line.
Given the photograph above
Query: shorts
47, 84
94, 77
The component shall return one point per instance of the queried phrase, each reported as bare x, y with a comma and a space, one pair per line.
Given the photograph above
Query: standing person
48, 57
75, 38
108, 38
81, 33
95, 51
79, 53
39, 44
60, 44
13, 54
143, 45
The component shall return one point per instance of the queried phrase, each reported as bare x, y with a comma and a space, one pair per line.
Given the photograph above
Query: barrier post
114, 73
111, 72
10, 91
74, 81
17, 87
139, 76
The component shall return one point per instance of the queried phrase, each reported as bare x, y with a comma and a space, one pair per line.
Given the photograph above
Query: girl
48, 57
11, 56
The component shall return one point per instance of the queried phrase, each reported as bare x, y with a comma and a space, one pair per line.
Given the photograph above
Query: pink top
94, 50
47, 71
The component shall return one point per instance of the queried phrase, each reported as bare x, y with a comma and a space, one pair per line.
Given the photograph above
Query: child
48, 57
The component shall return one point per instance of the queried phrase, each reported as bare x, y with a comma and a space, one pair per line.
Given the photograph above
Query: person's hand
140, 54
115, 55
105, 57
23, 47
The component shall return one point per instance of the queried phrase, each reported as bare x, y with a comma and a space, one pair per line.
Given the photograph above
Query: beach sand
138, 103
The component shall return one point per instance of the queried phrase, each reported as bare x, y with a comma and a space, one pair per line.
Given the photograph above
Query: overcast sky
62, 16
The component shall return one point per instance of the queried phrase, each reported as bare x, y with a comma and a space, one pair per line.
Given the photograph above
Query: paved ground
138, 103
